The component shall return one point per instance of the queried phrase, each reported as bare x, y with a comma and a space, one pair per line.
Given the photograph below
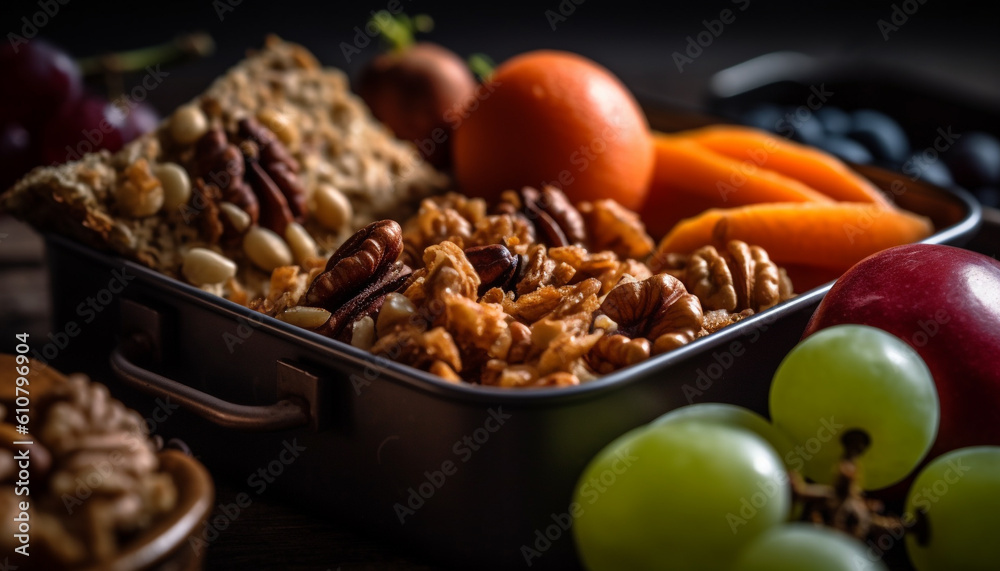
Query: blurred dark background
952, 41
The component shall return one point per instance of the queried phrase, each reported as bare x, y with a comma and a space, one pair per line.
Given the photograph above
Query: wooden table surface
271, 535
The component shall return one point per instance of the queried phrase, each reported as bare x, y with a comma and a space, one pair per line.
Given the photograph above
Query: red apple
944, 302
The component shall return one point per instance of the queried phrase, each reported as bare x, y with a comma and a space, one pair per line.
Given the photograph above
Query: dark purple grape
17, 154
835, 120
846, 149
92, 124
975, 160
39, 80
880, 134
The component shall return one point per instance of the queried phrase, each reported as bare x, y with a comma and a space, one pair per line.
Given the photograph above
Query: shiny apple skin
945, 303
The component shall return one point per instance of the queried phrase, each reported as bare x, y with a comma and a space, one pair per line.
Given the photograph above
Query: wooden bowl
164, 546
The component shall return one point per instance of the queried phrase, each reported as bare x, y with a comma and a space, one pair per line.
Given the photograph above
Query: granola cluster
533, 292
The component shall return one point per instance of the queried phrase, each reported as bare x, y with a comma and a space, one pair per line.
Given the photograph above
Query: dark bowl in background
921, 101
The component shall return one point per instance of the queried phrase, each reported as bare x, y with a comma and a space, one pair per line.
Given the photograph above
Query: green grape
683, 495
853, 377
737, 417
952, 511
798, 546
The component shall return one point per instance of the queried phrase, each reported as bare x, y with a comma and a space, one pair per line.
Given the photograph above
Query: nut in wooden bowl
88, 488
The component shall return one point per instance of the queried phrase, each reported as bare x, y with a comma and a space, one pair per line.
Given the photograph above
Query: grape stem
843, 505
188, 46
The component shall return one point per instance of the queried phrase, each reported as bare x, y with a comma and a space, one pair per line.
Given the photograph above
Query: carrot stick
813, 167
693, 168
825, 235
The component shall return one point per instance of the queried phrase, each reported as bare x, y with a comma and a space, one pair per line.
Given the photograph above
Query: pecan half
366, 254
552, 214
657, 308
207, 150
359, 275
365, 304
271, 148
252, 170
277, 162
496, 267
276, 213
238, 191
219, 164
288, 182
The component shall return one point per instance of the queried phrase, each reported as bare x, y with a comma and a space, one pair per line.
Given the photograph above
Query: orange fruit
550, 117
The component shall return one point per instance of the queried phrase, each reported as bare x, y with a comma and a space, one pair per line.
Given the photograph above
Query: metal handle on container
287, 413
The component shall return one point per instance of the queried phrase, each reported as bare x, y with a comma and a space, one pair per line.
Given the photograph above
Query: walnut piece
449, 272
611, 226
512, 231
657, 308
718, 318
603, 266
450, 217
741, 277
613, 352
420, 349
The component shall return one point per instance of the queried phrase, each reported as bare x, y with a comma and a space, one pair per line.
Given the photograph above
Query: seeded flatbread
336, 143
